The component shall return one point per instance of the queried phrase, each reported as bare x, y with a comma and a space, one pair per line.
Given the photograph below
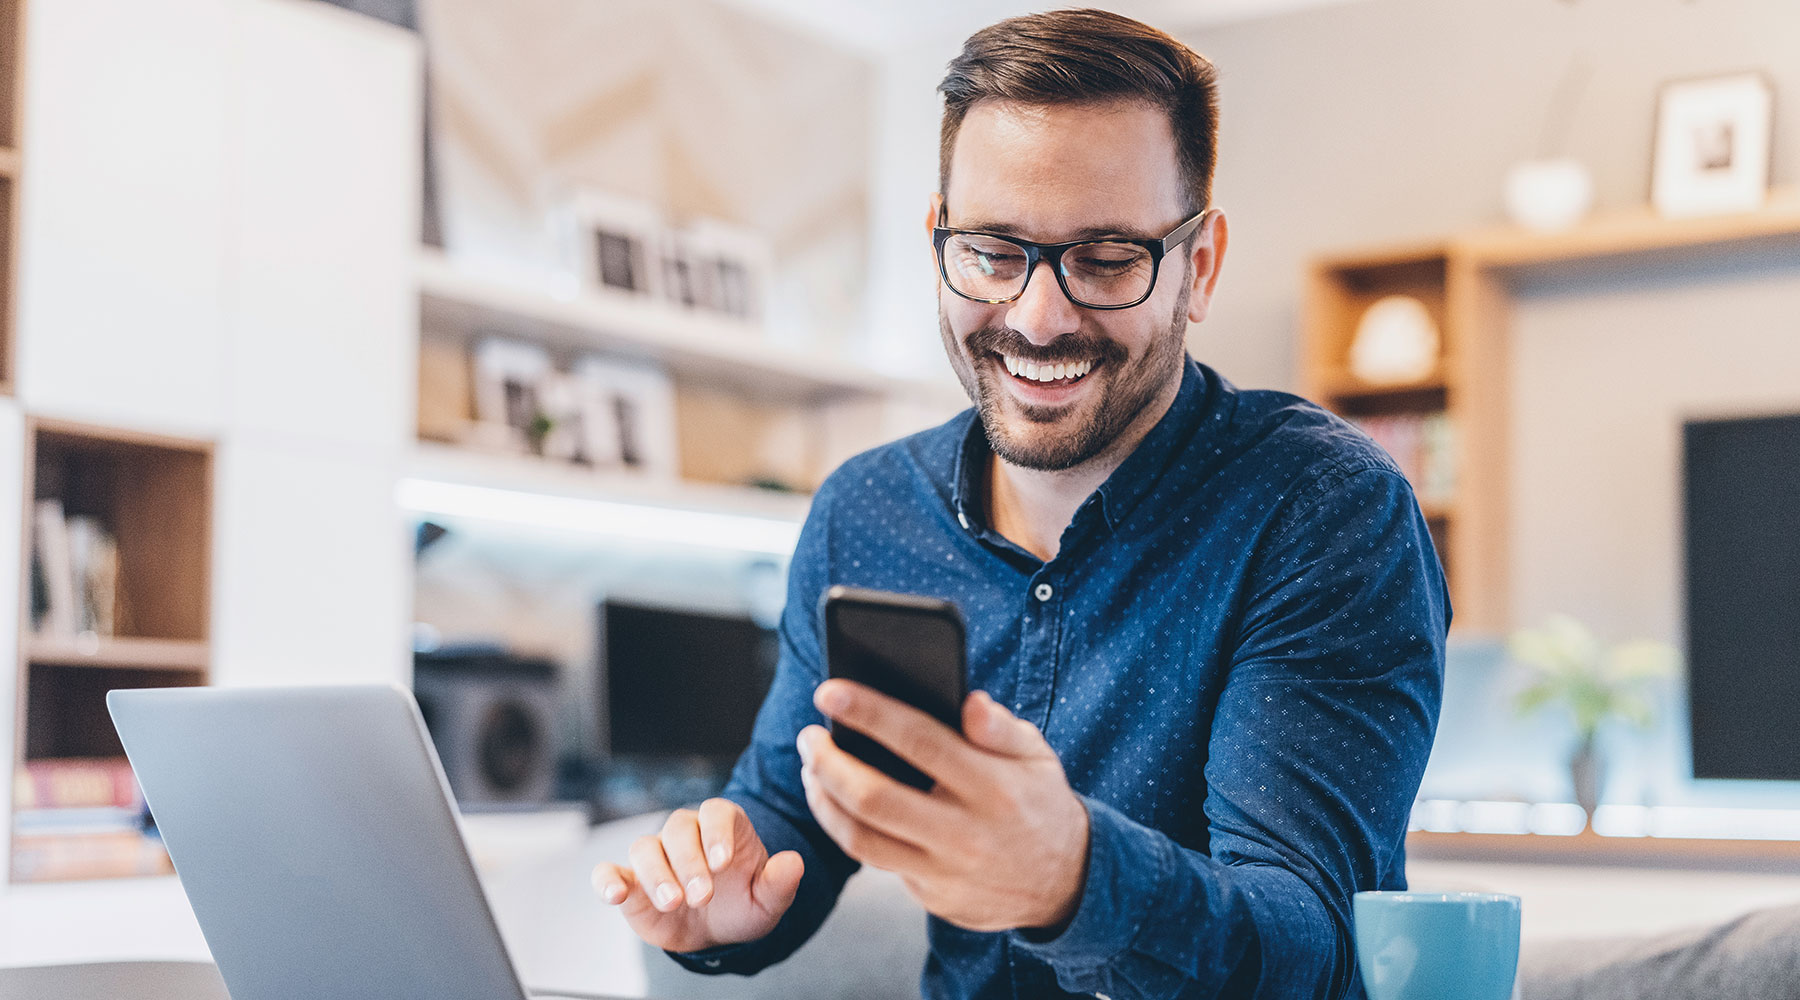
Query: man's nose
1043, 313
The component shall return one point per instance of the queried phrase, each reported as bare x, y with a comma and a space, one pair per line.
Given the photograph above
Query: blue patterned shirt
1237, 652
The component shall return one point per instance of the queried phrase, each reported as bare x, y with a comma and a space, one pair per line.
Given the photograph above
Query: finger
916, 737
778, 882
655, 874
860, 841
612, 882
620, 887
991, 727
681, 844
869, 796
724, 828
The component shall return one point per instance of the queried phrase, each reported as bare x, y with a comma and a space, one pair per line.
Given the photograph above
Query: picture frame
1713, 145
627, 416
617, 244
509, 375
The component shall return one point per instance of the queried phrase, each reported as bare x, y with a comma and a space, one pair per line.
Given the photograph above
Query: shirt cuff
715, 961
1129, 866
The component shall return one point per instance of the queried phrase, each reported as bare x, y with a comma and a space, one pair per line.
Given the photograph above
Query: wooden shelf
1589, 848
123, 653
716, 350
1631, 232
1467, 284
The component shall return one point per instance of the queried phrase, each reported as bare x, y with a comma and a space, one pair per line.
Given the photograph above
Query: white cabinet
125, 204
324, 118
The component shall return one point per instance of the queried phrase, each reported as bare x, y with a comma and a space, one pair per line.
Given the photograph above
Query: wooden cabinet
140, 583
1467, 283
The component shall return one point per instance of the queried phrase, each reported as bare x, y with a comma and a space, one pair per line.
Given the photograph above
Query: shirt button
1044, 592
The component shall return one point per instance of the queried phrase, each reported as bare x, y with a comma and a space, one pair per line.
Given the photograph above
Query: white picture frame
509, 375
1713, 145
617, 244
628, 416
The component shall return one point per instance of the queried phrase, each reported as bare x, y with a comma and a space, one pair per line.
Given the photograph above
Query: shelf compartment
154, 495
65, 706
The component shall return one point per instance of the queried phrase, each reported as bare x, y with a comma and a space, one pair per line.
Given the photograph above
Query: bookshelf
1466, 283
128, 607
12, 31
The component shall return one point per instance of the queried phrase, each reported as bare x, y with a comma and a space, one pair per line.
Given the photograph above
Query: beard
1057, 438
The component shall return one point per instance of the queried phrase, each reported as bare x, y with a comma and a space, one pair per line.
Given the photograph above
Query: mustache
1070, 347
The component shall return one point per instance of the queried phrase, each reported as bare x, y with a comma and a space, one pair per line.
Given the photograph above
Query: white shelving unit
733, 383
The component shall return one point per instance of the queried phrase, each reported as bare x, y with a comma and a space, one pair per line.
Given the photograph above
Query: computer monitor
682, 683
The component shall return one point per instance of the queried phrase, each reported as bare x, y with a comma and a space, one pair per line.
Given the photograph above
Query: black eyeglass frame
1053, 252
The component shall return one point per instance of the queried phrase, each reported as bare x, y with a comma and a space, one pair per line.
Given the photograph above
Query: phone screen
910, 648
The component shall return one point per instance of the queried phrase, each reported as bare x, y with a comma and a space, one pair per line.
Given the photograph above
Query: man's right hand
706, 880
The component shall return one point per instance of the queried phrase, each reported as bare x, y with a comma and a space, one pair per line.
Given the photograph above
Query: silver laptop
314, 832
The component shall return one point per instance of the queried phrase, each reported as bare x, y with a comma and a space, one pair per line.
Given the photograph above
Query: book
45, 858
1423, 445
76, 783
51, 550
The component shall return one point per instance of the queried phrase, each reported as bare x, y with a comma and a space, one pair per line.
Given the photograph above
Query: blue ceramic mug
1437, 945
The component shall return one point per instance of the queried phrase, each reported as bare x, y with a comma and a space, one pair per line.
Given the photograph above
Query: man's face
1052, 174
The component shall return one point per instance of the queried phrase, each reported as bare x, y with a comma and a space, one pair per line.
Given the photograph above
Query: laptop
314, 832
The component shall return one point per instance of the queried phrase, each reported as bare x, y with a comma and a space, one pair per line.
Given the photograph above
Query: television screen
682, 683
1743, 596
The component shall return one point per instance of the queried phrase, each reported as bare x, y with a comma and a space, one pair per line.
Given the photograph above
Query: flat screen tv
1743, 596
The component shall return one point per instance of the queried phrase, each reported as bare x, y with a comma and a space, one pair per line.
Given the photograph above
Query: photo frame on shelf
509, 377
1713, 145
617, 243
732, 266
627, 416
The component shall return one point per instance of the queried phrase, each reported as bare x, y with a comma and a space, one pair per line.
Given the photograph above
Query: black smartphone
911, 648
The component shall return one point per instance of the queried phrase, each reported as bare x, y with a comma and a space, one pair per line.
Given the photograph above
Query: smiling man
1205, 624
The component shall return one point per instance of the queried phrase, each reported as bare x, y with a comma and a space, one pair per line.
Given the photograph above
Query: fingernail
718, 856
696, 889
615, 893
666, 895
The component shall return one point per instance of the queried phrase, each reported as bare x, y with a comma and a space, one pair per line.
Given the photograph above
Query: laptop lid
314, 833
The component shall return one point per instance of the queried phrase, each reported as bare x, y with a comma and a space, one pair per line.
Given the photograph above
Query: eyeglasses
1095, 274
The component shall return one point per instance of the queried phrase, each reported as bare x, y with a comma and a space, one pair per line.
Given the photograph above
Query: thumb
775, 886
988, 725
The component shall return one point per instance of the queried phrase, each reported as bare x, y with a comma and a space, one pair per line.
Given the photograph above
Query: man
1205, 625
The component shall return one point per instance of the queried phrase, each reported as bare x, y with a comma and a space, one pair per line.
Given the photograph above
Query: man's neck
1032, 507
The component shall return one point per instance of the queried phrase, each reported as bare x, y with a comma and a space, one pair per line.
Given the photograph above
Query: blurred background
495, 349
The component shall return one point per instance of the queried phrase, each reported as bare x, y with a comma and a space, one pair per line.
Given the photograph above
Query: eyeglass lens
1096, 274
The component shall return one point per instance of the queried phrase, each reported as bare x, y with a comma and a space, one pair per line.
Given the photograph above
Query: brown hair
1074, 56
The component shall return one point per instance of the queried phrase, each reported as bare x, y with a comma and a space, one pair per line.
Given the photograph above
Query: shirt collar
1122, 491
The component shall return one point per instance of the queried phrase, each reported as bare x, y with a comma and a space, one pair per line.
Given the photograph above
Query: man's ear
933, 212
1207, 252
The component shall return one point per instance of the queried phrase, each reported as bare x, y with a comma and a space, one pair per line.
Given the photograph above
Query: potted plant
1570, 668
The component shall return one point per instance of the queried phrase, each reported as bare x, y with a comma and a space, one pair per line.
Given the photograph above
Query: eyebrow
1089, 233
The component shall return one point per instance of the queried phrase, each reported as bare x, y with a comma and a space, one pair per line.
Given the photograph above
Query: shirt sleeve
766, 779
1317, 748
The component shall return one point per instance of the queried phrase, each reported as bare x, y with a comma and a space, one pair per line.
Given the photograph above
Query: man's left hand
999, 843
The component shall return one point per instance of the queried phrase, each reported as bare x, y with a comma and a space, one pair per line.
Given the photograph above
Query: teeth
1046, 373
